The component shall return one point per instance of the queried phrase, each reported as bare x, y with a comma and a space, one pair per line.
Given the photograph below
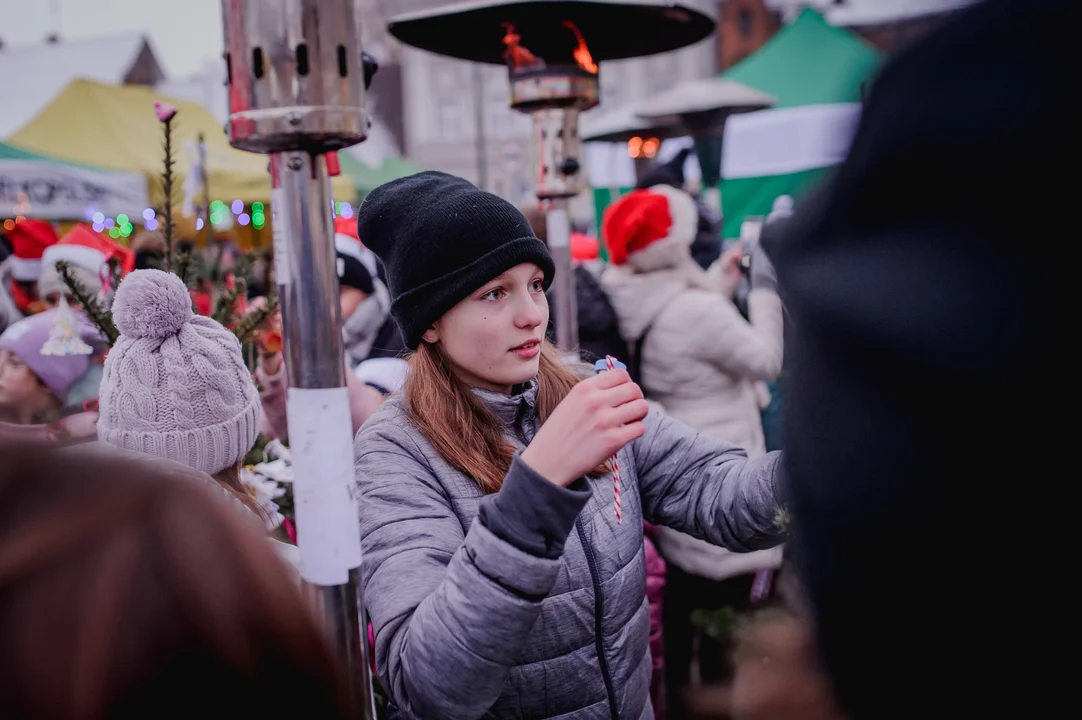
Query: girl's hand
598, 417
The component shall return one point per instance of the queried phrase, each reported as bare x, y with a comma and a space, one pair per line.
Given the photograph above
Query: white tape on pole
278, 233
324, 494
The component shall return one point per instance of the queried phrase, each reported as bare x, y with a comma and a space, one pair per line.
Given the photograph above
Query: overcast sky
185, 33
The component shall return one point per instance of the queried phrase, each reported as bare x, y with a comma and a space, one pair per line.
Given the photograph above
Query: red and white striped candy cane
610, 363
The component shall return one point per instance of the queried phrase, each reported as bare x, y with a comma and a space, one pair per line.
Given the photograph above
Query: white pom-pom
151, 304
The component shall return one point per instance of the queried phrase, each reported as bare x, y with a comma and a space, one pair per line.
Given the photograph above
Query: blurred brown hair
538, 222
126, 592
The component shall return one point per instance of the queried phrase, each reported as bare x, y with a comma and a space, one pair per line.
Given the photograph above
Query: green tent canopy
10, 152
818, 73
366, 178
809, 62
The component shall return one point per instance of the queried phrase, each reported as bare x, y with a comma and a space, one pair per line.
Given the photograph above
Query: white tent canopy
702, 94
57, 191
788, 140
621, 122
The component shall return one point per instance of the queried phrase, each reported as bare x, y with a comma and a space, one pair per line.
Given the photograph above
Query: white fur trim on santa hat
83, 256
673, 249
23, 269
351, 246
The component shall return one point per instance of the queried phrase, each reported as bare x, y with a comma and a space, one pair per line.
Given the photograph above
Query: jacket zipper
599, 607
595, 578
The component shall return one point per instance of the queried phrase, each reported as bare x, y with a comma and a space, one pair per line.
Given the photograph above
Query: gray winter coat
538, 610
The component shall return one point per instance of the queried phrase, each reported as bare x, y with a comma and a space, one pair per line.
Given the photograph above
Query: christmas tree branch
97, 314
184, 266
166, 115
255, 319
223, 308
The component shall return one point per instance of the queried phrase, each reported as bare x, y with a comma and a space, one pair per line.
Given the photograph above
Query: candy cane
610, 363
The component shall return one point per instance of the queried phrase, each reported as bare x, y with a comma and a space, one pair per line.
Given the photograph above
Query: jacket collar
507, 407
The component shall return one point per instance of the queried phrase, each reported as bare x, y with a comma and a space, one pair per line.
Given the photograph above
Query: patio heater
703, 106
296, 81
551, 49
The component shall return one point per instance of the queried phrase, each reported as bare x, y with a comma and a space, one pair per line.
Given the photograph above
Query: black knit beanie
440, 238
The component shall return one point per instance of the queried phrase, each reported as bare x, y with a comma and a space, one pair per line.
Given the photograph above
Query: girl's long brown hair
459, 426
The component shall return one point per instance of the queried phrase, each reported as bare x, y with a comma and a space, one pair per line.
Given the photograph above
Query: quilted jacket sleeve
706, 487
451, 610
751, 350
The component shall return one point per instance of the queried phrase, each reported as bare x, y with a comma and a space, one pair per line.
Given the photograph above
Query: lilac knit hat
175, 384
58, 372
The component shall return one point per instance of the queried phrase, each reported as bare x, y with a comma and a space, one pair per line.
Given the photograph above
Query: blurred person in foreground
112, 607
923, 453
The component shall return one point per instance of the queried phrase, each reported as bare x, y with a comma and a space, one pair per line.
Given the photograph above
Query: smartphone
750, 230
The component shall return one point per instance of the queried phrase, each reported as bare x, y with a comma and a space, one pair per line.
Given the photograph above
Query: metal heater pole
565, 308
320, 427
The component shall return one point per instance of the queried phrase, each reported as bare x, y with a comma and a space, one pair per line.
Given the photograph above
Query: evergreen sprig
166, 210
101, 317
254, 320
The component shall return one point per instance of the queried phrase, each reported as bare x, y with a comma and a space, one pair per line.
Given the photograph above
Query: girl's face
21, 392
492, 339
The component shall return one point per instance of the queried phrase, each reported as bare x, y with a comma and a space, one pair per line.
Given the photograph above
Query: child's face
20, 389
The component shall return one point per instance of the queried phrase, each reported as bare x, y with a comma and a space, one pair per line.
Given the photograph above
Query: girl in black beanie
482, 599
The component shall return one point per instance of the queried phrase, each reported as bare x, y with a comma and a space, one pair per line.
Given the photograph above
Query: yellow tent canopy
114, 127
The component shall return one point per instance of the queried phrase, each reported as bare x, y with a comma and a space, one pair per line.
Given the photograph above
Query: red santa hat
88, 253
29, 239
650, 228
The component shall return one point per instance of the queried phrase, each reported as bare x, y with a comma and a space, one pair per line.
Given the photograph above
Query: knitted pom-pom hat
440, 238
175, 384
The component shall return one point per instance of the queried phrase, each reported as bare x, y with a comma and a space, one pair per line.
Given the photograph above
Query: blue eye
537, 286
493, 295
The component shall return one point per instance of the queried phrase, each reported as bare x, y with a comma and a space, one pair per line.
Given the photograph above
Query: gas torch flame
517, 56
582, 53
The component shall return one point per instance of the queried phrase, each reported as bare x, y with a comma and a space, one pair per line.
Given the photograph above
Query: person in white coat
706, 365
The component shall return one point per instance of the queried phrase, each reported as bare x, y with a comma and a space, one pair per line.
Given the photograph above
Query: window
450, 120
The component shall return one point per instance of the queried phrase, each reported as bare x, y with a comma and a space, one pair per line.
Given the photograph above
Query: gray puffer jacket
531, 602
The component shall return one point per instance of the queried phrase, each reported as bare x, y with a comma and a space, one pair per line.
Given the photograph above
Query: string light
109, 223
152, 224
638, 147
99, 218
199, 223
9, 224
114, 232
258, 218
237, 207
243, 219
148, 214
98, 227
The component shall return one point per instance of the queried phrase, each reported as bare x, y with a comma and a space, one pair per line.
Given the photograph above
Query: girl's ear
431, 335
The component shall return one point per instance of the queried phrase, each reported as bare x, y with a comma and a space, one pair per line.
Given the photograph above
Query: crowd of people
543, 540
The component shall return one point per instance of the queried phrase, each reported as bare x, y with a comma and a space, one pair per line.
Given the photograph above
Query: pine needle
101, 317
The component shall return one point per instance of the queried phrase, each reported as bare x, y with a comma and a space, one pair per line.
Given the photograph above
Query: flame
582, 53
517, 56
